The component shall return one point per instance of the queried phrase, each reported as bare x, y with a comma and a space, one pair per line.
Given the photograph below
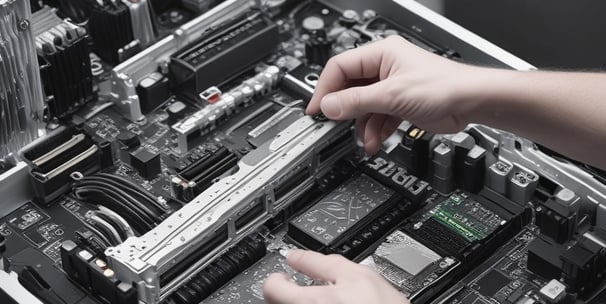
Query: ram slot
200, 175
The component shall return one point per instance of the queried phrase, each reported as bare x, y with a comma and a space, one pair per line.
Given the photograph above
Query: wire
116, 218
123, 181
101, 196
109, 230
123, 195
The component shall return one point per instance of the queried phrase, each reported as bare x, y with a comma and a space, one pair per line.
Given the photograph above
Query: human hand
402, 82
347, 282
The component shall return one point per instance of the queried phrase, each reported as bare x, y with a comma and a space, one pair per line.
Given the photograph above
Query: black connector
58, 156
237, 259
201, 174
223, 54
95, 276
470, 168
413, 151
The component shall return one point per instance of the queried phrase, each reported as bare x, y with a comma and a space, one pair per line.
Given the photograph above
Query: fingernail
331, 107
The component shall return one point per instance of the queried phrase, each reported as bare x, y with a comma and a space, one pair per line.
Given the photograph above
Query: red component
214, 98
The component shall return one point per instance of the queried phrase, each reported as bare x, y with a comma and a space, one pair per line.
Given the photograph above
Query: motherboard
157, 151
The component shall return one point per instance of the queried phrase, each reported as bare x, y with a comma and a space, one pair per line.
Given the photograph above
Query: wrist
485, 94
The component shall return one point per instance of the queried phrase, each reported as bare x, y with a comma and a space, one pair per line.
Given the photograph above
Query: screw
23, 24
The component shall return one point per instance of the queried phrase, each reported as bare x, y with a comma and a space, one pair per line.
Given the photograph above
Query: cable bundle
128, 200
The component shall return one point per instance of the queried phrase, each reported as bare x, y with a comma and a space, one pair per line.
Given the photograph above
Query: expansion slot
146, 259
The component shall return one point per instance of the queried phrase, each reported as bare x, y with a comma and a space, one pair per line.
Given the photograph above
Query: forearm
563, 111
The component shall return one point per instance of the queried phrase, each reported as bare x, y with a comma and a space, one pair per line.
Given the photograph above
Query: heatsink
21, 99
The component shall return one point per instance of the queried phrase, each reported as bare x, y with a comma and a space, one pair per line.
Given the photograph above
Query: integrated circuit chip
467, 217
340, 212
409, 265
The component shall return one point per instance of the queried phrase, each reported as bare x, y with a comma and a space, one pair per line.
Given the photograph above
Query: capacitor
368, 14
313, 24
176, 112
129, 140
318, 48
349, 18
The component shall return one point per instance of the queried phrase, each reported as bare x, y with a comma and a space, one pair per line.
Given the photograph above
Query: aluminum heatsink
21, 100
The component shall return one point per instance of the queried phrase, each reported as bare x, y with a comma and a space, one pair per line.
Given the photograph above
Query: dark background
556, 34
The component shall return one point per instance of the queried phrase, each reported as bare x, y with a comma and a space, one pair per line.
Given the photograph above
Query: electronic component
130, 72
111, 28
182, 235
129, 140
472, 170
237, 259
553, 292
65, 64
95, 275
409, 265
201, 174
557, 217
147, 163
190, 186
522, 186
353, 247
21, 101
313, 24
443, 176
469, 167
318, 48
349, 18
467, 217
584, 266
153, 90
340, 213
176, 112
497, 177
413, 151
222, 55
200, 123
544, 258
53, 161
247, 287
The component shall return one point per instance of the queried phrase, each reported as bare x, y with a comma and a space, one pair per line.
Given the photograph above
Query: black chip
341, 213
491, 283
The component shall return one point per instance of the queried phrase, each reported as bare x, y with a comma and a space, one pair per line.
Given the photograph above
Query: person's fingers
316, 265
361, 125
372, 135
278, 289
391, 125
357, 101
360, 63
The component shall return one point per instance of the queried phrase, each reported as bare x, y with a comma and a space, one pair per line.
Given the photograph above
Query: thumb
357, 101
